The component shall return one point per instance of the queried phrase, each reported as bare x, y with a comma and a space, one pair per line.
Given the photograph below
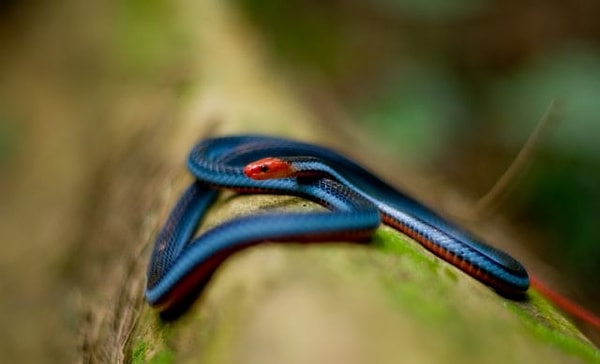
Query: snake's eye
264, 168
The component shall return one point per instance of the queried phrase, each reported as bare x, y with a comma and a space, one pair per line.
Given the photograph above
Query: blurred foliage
7, 143
458, 87
435, 9
428, 98
562, 192
572, 76
148, 37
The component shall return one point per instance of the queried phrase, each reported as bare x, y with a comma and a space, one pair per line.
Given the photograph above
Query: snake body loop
358, 199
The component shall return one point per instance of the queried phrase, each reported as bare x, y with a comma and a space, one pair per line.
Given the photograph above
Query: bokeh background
453, 89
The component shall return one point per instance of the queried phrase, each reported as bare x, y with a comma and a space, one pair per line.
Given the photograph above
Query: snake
358, 202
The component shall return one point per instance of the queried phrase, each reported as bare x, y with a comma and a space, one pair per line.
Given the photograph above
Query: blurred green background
454, 88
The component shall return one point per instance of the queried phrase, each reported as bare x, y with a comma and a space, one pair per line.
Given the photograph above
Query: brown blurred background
453, 89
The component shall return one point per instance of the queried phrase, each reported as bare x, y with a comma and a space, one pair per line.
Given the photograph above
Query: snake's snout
268, 168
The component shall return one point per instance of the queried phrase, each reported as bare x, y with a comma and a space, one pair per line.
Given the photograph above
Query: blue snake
359, 201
